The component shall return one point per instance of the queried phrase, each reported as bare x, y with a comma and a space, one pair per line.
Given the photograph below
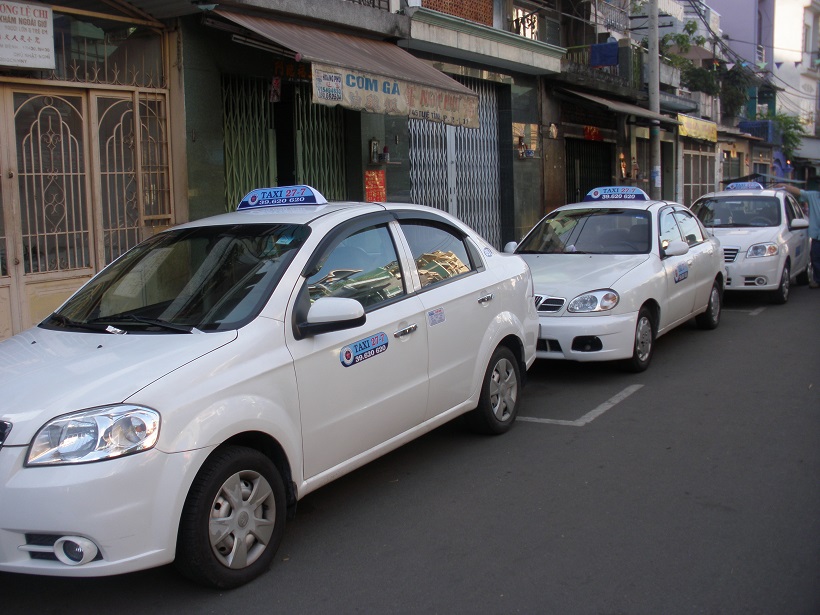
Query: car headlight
595, 301
762, 249
94, 435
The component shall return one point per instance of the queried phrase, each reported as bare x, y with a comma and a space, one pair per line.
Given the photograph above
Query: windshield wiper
65, 321
153, 322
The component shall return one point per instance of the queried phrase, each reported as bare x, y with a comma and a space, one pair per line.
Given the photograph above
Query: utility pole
653, 76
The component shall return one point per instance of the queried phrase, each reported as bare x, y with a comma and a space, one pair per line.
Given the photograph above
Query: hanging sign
26, 35
333, 85
375, 186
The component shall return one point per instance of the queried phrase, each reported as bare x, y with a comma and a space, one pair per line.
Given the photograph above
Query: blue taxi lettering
281, 195
616, 193
744, 186
681, 272
363, 349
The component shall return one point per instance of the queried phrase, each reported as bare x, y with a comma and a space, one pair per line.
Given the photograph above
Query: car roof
616, 197
277, 206
745, 189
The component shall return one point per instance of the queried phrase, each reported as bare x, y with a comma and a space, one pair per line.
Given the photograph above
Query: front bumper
753, 273
129, 508
599, 337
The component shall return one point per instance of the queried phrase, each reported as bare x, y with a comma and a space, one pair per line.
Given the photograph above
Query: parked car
764, 234
181, 402
618, 270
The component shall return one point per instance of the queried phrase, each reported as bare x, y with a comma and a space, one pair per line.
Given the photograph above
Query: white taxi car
616, 271
182, 401
764, 234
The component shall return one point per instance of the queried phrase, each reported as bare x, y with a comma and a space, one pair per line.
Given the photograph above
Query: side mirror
510, 247
331, 314
798, 224
676, 248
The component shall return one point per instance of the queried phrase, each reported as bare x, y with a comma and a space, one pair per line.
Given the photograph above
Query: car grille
5, 429
730, 254
548, 304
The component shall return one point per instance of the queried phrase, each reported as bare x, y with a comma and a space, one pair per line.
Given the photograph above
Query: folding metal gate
320, 159
589, 164
457, 169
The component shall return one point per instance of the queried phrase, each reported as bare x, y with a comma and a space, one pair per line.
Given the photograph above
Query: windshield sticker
435, 317
681, 273
363, 349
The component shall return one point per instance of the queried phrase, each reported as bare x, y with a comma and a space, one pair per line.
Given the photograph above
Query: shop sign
333, 85
696, 128
26, 35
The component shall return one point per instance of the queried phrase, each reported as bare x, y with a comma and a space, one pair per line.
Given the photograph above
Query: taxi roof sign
281, 196
616, 193
744, 186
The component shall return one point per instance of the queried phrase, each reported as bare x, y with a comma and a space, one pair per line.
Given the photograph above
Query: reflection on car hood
46, 373
744, 237
568, 275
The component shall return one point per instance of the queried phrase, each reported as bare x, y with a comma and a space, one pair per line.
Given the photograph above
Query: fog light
75, 550
761, 281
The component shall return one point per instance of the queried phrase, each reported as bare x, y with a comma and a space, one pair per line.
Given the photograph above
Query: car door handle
486, 298
406, 331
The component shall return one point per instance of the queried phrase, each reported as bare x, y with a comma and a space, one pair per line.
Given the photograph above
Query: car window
793, 210
738, 211
590, 231
689, 226
668, 228
211, 278
363, 266
440, 252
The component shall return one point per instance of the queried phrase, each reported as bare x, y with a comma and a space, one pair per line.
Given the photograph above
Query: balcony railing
762, 129
613, 17
628, 74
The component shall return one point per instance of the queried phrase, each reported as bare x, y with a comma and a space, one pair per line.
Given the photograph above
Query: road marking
754, 312
589, 416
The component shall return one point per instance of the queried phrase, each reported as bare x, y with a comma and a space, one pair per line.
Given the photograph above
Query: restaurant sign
696, 128
26, 35
333, 85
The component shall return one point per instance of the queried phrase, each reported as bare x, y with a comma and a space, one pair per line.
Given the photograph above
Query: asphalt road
692, 488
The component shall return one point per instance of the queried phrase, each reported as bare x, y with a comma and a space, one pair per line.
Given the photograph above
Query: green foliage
732, 86
792, 131
734, 89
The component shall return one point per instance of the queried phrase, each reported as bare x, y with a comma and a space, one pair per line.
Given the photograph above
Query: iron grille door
589, 165
250, 152
457, 169
320, 159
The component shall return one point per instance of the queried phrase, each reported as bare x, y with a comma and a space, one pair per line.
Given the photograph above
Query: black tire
240, 497
644, 343
805, 276
710, 319
500, 393
781, 295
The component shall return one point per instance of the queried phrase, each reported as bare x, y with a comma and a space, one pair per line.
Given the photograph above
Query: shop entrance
85, 176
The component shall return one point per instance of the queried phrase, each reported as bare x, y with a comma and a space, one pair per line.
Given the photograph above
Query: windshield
590, 231
738, 211
209, 278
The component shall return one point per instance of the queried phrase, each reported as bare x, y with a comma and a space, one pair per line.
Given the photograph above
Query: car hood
569, 275
744, 237
46, 373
